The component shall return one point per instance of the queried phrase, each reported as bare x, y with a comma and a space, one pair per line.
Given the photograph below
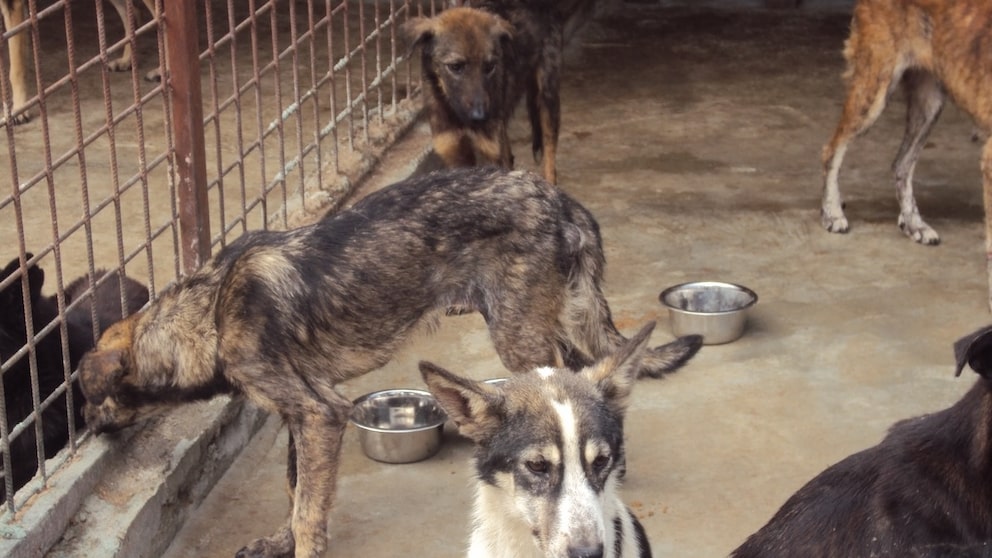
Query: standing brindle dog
478, 61
283, 317
924, 491
935, 49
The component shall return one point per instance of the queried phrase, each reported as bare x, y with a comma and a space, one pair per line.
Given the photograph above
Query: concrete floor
694, 136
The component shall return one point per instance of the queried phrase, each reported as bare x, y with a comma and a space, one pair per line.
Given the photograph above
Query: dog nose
586, 552
477, 112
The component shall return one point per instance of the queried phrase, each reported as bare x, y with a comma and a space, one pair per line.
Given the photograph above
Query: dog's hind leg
13, 15
544, 109
874, 71
924, 101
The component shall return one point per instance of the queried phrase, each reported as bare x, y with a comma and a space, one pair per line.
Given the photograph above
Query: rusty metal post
183, 71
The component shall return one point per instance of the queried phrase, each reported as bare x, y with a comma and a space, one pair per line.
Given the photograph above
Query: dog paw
119, 65
153, 75
19, 118
919, 231
834, 223
280, 545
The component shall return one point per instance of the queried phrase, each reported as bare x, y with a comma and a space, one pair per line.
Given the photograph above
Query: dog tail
670, 357
586, 316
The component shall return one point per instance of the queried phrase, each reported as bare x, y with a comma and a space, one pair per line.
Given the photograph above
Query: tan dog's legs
872, 79
127, 58
924, 100
987, 202
13, 15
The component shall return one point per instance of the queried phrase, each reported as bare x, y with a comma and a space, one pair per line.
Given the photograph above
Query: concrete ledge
128, 495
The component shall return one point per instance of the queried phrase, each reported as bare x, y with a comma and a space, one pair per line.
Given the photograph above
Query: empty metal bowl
713, 309
399, 425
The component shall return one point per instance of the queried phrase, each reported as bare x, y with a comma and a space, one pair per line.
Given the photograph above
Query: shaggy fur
934, 48
924, 491
283, 317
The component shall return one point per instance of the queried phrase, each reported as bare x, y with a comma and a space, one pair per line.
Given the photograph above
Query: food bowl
398, 425
713, 309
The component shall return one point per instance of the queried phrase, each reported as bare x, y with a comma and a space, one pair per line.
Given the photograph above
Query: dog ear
36, 279
474, 406
99, 374
417, 31
503, 32
615, 375
976, 351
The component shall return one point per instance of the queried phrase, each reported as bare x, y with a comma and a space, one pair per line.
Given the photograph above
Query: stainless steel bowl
399, 425
713, 309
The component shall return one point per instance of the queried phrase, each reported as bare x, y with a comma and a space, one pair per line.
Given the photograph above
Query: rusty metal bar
183, 74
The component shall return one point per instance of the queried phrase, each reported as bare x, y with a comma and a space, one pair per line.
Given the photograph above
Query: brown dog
477, 63
283, 317
13, 12
925, 490
934, 48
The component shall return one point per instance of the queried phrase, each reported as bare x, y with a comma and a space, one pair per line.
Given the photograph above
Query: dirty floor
694, 136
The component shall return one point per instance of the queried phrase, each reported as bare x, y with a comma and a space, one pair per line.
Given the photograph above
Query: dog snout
477, 111
586, 552
106, 419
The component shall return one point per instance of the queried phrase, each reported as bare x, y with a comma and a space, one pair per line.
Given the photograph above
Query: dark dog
549, 458
283, 317
48, 351
933, 48
477, 63
925, 490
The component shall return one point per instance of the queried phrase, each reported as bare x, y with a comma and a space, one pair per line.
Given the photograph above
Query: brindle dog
283, 317
934, 49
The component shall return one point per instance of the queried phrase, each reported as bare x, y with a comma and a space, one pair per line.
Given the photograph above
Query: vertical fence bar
183, 71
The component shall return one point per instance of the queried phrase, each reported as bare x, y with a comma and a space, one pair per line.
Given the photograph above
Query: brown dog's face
105, 382
466, 51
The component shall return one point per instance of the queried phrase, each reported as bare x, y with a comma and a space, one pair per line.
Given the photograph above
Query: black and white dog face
549, 458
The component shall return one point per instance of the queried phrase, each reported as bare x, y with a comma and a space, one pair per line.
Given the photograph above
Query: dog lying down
283, 317
925, 490
549, 458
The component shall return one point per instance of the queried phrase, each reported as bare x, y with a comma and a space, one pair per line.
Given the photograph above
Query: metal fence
266, 113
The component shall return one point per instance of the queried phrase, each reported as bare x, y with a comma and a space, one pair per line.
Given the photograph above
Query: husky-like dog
549, 458
934, 49
924, 491
283, 317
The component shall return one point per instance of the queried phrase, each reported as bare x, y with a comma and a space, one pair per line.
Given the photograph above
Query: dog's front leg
987, 199
279, 545
318, 449
13, 15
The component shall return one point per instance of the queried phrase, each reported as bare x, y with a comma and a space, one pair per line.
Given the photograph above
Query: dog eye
600, 463
538, 467
456, 68
489, 67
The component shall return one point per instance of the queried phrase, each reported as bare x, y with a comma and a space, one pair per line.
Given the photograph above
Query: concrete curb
133, 492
